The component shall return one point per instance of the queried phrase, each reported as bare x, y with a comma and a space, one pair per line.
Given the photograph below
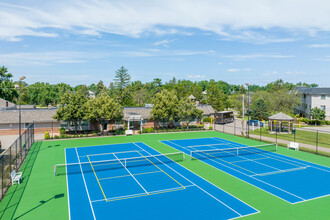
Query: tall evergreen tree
122, 80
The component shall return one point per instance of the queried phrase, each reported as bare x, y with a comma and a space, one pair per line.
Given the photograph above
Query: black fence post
317, 140
16, 155
2, 167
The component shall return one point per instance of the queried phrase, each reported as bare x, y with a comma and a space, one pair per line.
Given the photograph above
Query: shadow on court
42, 202
9, 204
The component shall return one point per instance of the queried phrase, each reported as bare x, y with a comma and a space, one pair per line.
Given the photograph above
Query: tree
7, 87
189, 112
103, 109
216, 98
122, 80
83, 89
259, 109
100, 88
166, 106
317, 113
71, 108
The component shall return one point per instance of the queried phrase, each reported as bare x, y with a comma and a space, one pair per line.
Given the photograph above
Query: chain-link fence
13, 157
309, 139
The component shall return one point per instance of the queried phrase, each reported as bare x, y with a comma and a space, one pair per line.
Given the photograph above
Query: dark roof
281, 117
314, 91
3, 104
28, 116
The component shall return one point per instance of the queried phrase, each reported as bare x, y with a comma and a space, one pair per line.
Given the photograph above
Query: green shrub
62, 136
150, 130
211, 127
62, 130
56, 137
47, 136
207, 119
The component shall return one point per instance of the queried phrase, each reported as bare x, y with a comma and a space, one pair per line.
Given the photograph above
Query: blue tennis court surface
134, 181
288, 178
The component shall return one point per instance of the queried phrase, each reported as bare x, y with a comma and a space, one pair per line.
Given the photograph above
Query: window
323, 107
322, 97
26, 125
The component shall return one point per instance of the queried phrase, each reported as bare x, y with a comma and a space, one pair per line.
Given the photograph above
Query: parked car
253, 122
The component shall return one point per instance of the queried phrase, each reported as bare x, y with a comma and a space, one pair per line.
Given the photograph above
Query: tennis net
230, 152
91, 166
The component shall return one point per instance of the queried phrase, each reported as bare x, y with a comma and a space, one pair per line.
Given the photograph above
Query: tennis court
290, 179
130, 180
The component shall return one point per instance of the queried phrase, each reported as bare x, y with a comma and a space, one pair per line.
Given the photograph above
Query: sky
237, 41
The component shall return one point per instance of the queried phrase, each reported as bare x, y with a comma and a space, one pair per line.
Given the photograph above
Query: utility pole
248, 133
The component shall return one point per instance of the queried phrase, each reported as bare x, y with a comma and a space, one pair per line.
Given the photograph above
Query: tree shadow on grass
10, 202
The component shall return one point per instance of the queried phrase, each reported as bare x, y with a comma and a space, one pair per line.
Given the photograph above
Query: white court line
311, 199
250, 177
200, 187
131, 174
140, 194
67, 186
253, 160
119, 152
82, 173
205, 145
280, 171
136, 174
280, 157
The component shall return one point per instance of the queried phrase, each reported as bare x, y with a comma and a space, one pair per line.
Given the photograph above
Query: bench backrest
13, 174
294, 144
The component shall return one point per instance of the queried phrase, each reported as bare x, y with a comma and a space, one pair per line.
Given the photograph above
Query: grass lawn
307, 137
43, 196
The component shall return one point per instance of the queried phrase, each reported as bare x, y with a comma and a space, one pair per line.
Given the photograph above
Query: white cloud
162, 42
46, 58
319, 46
270, 73
256, 56
196, 76
295, 72
239, 70
51, 58
326, 58
132, 18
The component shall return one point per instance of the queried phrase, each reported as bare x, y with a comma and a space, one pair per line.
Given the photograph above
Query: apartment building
311, 98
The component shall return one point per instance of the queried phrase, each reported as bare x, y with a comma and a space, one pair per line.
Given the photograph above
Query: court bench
16, 177
129, 132
293, 145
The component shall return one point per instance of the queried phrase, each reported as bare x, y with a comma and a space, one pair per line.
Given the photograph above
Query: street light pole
19, 115
248, 133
